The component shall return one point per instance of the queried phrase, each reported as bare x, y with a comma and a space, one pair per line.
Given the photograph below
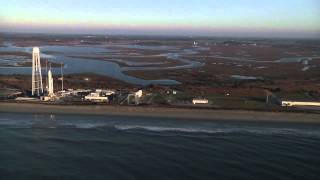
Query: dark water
104, 147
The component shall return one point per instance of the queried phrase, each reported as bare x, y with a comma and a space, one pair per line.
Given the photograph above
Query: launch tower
37, 86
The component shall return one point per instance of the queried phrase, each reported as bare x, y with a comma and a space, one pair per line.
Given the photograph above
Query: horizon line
160, 35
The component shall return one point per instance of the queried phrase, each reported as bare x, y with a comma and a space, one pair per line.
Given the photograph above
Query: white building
195, 44
99, 95
96, 97
200, 101
138, 94
299, 103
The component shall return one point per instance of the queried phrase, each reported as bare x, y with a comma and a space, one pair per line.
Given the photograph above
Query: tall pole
47, 79
40, 90
50, 85
61, 77
33, 74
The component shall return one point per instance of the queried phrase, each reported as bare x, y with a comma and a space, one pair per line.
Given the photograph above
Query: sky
236, 18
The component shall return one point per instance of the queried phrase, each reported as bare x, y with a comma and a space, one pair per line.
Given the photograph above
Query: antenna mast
61, 77
47, 75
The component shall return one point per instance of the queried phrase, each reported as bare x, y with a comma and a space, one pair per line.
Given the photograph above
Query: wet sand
161, 112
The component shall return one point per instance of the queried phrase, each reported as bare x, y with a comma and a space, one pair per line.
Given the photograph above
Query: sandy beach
161, 112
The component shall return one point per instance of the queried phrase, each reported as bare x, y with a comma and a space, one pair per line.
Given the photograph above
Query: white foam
252, 130
89, 125
173, 129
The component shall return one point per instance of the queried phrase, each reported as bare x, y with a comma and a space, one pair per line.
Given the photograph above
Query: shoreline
161, 112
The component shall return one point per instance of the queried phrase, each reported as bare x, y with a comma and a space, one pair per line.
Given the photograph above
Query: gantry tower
37, 86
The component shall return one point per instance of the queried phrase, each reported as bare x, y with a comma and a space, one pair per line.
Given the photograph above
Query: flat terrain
161, 112
76, 81
230, 72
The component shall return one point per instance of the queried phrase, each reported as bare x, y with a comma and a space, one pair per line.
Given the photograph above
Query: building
299, 103
96, 97
195, 44
30, 99
99, 95
135, 98
138, 94
200, 101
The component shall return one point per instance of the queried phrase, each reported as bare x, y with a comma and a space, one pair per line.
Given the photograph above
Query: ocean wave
49, 122
251, 130
161, 129
89, 125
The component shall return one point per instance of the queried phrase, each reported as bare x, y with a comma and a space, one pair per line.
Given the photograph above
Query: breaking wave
252, 130
161, 129
51, 121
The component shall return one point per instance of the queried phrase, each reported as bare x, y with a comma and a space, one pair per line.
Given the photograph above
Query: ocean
52, 146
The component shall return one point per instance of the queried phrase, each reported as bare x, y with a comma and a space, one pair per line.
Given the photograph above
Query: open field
76, 81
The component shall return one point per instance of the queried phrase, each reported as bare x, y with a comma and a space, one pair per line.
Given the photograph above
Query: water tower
37, 86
